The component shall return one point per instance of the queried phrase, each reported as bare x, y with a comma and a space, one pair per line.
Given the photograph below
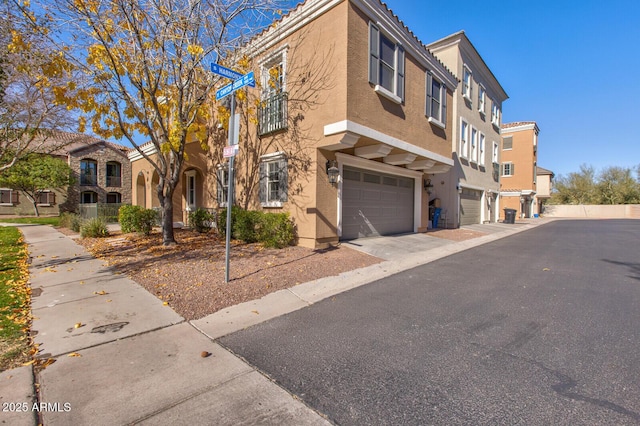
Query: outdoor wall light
459, 188
332, 171
427, 184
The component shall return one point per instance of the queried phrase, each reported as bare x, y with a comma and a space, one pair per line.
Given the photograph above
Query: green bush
94, 228
278, 230
271, 229
201, 220
136, 219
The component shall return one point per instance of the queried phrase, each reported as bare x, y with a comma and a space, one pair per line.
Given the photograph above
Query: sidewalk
122, 357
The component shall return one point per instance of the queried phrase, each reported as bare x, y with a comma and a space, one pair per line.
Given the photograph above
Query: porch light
332, 171
428, 186
459, 188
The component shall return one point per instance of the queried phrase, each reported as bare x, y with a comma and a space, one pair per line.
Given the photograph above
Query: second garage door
470, 206
375, 204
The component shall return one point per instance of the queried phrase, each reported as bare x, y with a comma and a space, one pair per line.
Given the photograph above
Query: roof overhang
390, 150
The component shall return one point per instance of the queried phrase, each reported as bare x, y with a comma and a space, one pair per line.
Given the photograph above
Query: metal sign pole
230, 189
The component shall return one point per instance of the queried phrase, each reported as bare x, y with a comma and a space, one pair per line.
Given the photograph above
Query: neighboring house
469, 192
518, 169
545, 186
101, 169
346, 88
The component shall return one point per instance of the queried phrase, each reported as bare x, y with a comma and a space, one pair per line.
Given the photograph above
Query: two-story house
353, 115
544, 186
102, 174
518, 169
469, 191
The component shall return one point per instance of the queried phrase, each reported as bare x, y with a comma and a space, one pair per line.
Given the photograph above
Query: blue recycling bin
436, 216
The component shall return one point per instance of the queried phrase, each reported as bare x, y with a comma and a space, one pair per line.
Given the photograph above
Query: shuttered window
8, 197
436, 100
386, 62
273, 180
507, 142
507, 169
222, 190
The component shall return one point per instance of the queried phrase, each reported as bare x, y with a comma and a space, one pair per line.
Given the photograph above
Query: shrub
94, 228
201, 220
221, 220
136, 219
278, 230
247, 225
66, 219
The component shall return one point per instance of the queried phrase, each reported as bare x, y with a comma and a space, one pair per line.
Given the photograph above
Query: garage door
470, 206
375, 204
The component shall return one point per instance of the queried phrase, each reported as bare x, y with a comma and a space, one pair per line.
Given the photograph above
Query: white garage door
470, 206
375, 204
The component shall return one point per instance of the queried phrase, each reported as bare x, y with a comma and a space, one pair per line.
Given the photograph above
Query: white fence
621, 211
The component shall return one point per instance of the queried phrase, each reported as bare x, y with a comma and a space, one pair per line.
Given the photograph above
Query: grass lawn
55, 221
15, 296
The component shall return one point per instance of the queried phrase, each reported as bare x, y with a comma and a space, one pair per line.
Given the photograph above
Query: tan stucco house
342, 84
544, 185
469, 191
518, 169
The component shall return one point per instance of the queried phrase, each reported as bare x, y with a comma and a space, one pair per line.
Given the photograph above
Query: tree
614, 185
35, 174
30, 71
146, 67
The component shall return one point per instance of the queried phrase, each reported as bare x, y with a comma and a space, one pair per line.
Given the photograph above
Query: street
542, 328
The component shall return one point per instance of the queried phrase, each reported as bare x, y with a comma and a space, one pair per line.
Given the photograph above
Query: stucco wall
628, 211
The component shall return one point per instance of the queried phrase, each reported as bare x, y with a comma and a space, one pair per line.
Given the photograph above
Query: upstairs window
114, 174
273, 108
507, 169
464, 143
273, 180
494, 156
467, 90
507, 142
222, 176
495, 114
482, 95
481, 149
88, 172
474, 145
436, 101
386, 65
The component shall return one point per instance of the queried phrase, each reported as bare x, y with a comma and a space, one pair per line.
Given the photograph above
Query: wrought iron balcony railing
272, 114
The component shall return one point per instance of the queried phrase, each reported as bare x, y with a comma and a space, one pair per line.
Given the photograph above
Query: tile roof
516, 124
62, 143
543, 171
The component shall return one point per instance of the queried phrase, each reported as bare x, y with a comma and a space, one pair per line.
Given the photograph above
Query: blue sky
571, 66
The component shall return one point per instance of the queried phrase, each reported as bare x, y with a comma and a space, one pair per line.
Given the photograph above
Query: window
88, 197
436, 101
386, 65
45, 198
88, 172
8, 197
474, 145
464, 134
467, 90
495, 114
507, 169
481, 99
494, 156
114, 198
191, 189
114, 175
273, 180
273, 108
222, 175
481, 148
507, 142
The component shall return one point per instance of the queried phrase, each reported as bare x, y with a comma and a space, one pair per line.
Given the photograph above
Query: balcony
496, 172
272, 114
88, 179
115, 181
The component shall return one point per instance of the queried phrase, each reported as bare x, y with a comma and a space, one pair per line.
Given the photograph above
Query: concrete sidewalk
123, 357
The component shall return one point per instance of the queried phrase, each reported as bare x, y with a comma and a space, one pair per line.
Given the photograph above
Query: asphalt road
539, 328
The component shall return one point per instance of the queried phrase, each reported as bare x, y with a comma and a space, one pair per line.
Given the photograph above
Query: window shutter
400, 72
220, 188
14, 197
502, 169
429, 94
283, 178
513, 169
263, 183
52, 198
444, 104
374, 53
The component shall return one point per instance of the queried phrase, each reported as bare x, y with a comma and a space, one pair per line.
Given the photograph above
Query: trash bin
436, 217
509, 216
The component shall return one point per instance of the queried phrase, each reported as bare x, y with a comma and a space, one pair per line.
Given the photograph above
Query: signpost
230, 151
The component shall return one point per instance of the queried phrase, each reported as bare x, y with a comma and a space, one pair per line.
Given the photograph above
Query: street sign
230, 151
225, 72
245, 80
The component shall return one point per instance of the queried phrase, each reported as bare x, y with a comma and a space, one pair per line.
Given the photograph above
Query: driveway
539, 328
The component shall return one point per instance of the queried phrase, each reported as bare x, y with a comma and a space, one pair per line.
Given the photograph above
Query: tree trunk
35, 209
166, 202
